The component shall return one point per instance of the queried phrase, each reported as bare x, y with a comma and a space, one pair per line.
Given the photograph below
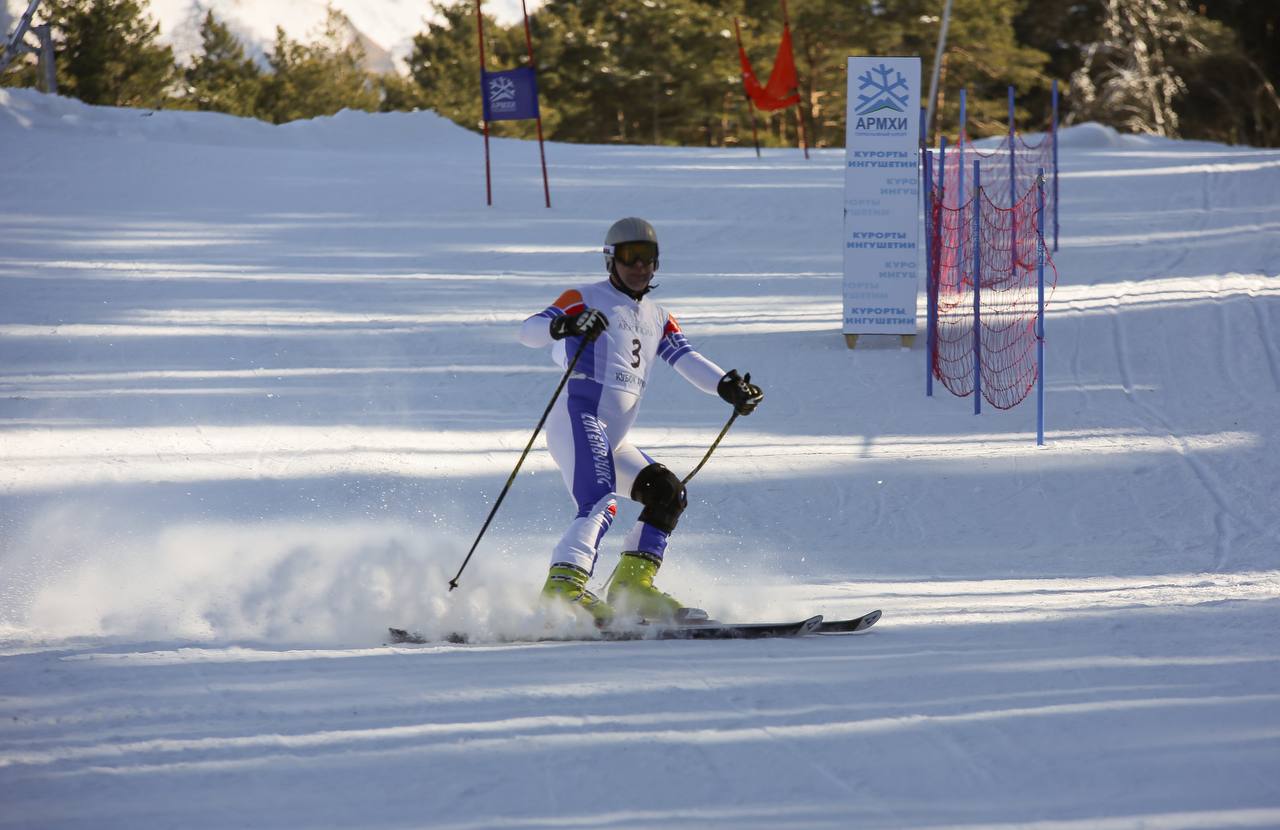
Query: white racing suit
587, 429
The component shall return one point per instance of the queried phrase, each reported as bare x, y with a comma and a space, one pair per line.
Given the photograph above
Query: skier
587, 429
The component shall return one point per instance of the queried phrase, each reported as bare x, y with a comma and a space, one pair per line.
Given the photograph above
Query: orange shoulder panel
568, 300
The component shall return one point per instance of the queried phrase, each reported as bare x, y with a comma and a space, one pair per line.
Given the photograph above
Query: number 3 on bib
635, 352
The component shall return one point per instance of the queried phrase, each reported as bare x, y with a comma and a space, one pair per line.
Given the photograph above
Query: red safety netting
1004, 264
997, 173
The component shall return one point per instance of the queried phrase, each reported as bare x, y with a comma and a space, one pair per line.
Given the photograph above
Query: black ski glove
740, 392
589, 323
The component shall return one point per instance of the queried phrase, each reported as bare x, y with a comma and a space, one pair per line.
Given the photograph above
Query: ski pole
716, 442
701, 463
453, 583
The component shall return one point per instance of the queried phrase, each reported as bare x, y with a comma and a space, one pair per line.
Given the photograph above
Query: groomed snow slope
259, 386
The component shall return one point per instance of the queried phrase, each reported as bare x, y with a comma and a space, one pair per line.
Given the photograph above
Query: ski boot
568, 583
631, 590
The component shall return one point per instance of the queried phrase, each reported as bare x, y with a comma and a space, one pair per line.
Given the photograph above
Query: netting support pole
976, 201
935, 276
929, 255
1013, 167
1013, 181
1040, 310
1055, 164
960, 143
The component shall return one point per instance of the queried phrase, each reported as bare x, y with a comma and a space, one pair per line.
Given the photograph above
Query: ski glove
740, 392
589, 323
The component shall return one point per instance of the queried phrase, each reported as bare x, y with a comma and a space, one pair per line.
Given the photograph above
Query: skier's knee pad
662, 495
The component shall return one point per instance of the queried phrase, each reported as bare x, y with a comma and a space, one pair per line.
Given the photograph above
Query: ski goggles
634, 253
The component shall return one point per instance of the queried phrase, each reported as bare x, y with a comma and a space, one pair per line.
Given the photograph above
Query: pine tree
1230, 94
221, 78
985, 57
1129, 78
310, 80
445, 65
106, 53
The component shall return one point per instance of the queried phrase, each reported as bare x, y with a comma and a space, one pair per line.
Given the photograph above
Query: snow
260, 386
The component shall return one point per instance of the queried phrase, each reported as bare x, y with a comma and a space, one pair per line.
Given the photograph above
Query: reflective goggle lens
634, 253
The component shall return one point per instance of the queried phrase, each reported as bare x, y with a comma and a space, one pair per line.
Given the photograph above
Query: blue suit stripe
593, 472
674, 346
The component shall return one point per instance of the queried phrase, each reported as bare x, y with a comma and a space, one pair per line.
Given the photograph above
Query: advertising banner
882, 245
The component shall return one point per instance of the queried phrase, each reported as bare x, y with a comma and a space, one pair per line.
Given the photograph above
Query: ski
697, 629
848, 626
708, 630
713, 630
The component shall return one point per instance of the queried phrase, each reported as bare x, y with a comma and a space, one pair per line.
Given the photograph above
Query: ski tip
850, 626
401, 636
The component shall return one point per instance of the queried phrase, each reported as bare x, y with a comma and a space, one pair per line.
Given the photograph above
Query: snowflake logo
501, 89
878, 91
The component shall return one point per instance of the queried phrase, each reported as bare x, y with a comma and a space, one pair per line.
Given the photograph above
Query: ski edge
713, 630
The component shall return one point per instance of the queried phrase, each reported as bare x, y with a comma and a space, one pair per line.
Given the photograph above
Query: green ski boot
568, 583
631, 589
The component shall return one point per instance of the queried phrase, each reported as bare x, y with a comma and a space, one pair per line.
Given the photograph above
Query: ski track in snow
259, 386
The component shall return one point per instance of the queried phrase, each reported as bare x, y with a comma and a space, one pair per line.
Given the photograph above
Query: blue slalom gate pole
1040, 312
1056, 201
929, 255
977, 288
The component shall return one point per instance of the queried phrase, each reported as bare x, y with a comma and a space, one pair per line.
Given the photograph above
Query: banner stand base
908, 340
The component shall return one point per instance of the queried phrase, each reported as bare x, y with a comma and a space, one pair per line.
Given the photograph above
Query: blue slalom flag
511, 95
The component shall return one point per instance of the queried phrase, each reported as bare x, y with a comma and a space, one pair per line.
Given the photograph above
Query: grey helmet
631, 229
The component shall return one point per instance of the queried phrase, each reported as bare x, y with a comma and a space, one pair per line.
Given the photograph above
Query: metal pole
929, 256
453, 583
48, 66
937, 65
1055, 164
942, 167
1013, 167
936, 277
786, 28
542, 153
1040, 312
14, 46
1013, 186
488, 182
977, 288
751, 107
714, 443
960, 144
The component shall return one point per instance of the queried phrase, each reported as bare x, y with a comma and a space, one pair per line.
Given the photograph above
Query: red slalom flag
782, 89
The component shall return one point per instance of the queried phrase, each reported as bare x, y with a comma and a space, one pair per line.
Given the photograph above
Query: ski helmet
631, 229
